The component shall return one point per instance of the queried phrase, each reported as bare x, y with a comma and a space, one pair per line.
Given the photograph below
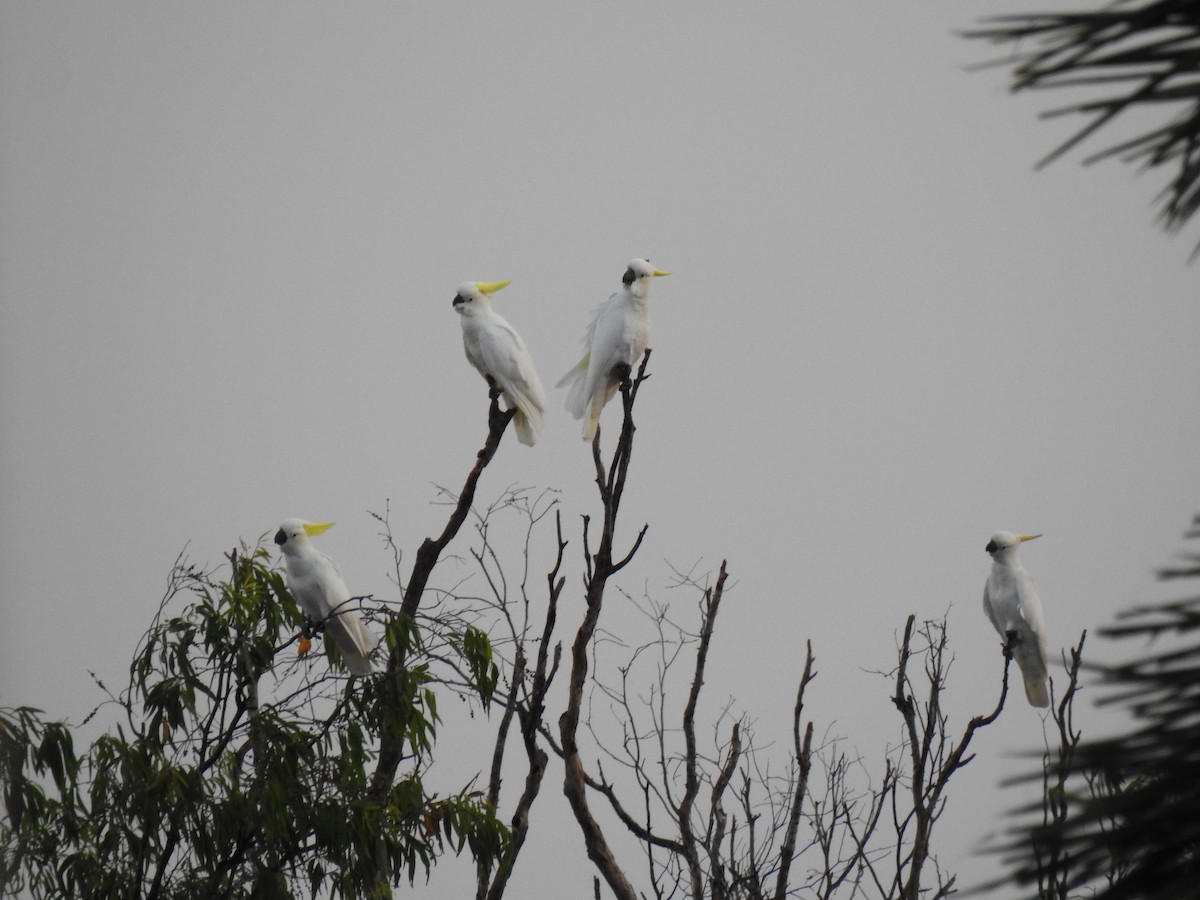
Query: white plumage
495, 349
615, 341
316, 583
1010, 600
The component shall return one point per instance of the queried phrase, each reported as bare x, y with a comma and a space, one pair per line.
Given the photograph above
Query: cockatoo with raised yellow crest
615, 341
316, 583
1011, 602
496, 350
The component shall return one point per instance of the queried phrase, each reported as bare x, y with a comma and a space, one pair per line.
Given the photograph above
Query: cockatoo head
640, 271
293, 534
473, 296
1004, 542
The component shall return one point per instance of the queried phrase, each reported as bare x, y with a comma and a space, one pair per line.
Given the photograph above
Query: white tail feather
1033, 673
529, 426
352, 639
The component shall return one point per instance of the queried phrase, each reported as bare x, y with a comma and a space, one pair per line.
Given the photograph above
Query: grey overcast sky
229, 238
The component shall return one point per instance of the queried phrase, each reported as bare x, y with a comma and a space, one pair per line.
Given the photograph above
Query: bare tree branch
531, 713
611, 485
932, 756
391, 749
803, 760
711, 606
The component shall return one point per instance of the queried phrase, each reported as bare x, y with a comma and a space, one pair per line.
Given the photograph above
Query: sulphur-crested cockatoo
614, 343
1011, 602
498, 352
316, 583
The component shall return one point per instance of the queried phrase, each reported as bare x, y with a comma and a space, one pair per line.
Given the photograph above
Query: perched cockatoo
1011, 602
497, 351
316, 583
614, 343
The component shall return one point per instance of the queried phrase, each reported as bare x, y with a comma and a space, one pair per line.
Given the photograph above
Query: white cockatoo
316, 583
1011, 602
497, 351
614, 343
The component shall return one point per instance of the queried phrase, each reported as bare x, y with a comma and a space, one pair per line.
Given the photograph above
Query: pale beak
660, 272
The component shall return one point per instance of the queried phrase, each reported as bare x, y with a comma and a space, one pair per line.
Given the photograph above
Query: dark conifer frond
1144, 56
1138, 836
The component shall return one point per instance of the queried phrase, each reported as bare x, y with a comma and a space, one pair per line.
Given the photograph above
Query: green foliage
237, 769
476, 650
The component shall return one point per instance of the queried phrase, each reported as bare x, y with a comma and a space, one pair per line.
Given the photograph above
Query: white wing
617, 336
989, 609
317, 585
505, 357
577, 377
1029, 603
1011, 603
609, 348
352, 639
609, 341
1030, 652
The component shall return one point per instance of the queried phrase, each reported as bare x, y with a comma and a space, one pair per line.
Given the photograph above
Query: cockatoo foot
621, 372
1011, 640
312, 628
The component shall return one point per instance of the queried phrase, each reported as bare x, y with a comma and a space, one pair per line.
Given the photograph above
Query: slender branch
531, 715
717, 815
391, 746
927, 741
711, 605
611, 486
1052, 859
803, 757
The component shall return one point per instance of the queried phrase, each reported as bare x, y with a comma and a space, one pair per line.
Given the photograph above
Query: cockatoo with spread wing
614, 343
316, 583
496, 350
1011, 602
